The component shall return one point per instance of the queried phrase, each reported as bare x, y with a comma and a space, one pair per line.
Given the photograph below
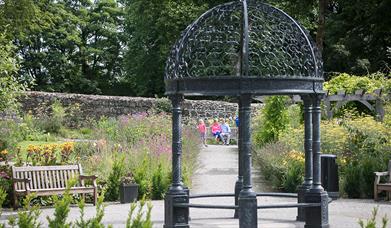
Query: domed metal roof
244, 47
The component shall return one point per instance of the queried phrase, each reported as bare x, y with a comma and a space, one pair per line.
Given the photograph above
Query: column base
238, 188
303, 189
317, 217
176, 217
248, 211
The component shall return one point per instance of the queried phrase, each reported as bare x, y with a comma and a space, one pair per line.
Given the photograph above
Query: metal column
305, 187
239, 182
316, 217
175, 217
248, 217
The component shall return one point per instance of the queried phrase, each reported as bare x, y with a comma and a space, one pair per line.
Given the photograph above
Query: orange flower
4, 152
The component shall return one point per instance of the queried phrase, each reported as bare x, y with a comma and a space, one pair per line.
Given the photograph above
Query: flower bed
138, 144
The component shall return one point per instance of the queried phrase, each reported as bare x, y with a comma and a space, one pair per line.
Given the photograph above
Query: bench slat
44, 179
52, 175
27, 176
33, 181
50, 185
56, 179
62, 179
43, 168
18, 184
38, 182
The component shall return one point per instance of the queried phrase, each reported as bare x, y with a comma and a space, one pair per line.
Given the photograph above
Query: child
202, 130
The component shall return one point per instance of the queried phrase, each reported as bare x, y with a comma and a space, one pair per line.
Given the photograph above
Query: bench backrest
46, 177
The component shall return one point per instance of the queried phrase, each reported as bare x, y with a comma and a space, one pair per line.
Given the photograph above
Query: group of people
220, 130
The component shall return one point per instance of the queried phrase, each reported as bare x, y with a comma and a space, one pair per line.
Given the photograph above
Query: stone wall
95, 106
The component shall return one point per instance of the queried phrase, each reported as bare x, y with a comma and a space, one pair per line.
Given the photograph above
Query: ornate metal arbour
242, 49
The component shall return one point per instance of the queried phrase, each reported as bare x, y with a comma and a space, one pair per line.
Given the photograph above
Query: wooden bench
234, 134
50, 180
383, 186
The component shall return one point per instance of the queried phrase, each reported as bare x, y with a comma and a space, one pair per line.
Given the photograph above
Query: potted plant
128, 189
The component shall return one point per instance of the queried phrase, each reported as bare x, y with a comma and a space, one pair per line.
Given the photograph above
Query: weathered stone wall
95, 106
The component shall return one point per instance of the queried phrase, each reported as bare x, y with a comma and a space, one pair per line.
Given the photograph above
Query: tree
71, 45
10, 88
354, 34
357, 37
152, 28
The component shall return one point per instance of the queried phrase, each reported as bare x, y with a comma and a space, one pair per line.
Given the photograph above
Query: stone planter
128, 193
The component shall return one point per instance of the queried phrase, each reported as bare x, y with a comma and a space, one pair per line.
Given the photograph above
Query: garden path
217, 173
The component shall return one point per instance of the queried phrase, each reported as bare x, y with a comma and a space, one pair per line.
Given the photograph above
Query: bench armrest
88, 177
26, 181
378, 175
381, 174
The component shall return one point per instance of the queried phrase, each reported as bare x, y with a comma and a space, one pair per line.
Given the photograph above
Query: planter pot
128, 193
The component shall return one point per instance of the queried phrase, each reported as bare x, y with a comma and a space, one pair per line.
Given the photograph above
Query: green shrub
114, 180
163, 105
352, 181
61, 206
351, 83
270, 160
72, 116
142, 178
387, 115
362, 146
10, 134
159, 182
55, 121
294, 175
274, 120
371, 222
3, 196
139, 220
6, 184
29, 216
367, 151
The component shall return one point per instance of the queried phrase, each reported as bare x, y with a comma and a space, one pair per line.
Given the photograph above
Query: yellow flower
67, 148
4, 152
294, 155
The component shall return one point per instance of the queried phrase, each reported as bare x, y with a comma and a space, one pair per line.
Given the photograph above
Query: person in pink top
202, 130
216, 130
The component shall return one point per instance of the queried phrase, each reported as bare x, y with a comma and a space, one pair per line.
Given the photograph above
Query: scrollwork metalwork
211, 47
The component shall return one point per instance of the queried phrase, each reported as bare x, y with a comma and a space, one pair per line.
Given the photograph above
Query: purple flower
4, 175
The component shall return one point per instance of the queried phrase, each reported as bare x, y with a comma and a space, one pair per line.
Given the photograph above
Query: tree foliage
357, 36
120, 47
10, 88
154, 27
69, 45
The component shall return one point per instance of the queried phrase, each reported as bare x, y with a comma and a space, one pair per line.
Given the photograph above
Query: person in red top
216, 130
202, 130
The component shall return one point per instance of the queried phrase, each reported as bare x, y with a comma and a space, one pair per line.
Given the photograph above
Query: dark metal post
239, 182
176, 216
305, 187
316, 217
248, 217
